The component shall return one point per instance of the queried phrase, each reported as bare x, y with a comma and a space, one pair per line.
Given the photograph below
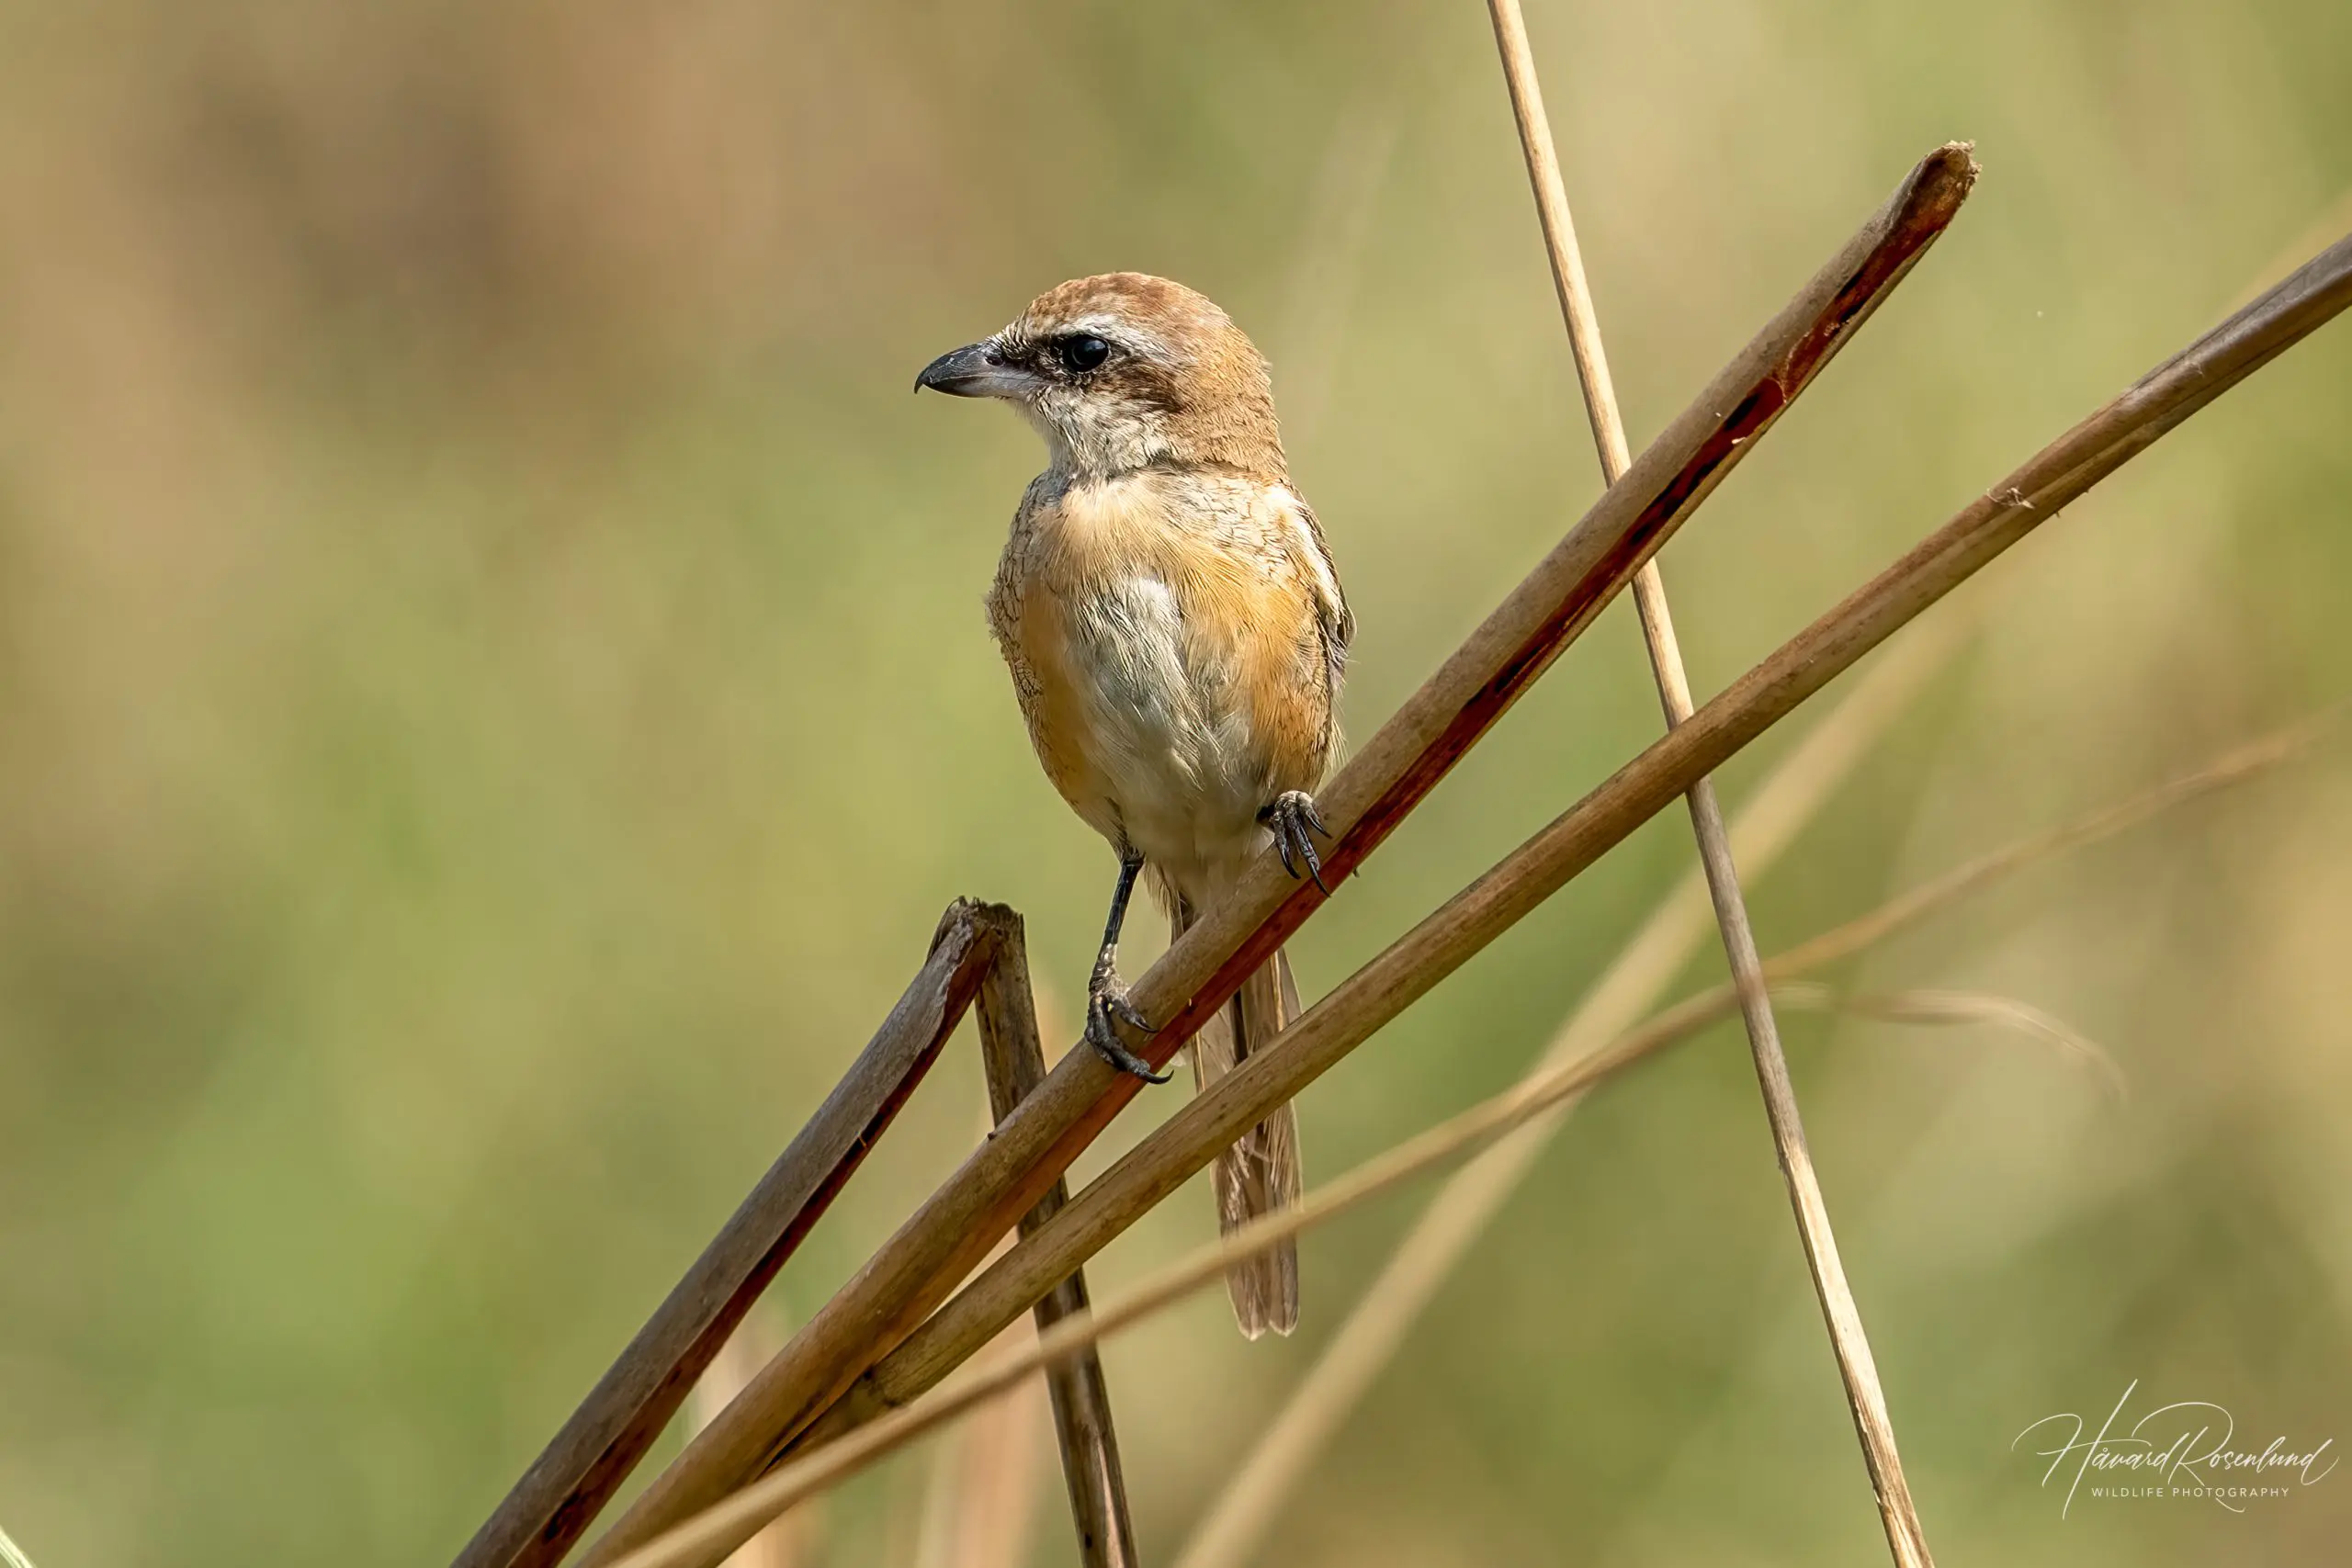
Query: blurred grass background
493, 697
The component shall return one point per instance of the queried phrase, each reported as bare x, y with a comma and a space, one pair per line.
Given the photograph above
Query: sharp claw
1291, 818
1314, 863
1108, 1046
1107, 1001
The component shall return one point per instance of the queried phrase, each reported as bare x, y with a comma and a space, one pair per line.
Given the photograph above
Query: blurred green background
493, 698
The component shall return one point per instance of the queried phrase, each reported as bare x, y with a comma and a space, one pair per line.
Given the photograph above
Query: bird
1177, 635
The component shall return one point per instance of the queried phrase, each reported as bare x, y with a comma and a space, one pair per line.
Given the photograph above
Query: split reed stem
1550, 1088
922, 1263
1013, 1052
1442, 943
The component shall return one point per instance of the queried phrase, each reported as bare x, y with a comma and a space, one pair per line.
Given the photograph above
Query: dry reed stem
594, 1452
1447, 938
1541, 1094
931, 1252
1906, 1538
1472, 1197
1783, 804
1385, 1313
1015, 1057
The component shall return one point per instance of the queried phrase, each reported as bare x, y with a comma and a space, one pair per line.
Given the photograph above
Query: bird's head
1123, 371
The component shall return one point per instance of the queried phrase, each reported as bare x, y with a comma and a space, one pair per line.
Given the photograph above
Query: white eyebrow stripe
1117, 330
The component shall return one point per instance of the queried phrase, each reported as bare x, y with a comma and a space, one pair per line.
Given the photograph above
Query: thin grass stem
1364, 1002
1540, 1094
914, 1271
1788, 799
1906, 1538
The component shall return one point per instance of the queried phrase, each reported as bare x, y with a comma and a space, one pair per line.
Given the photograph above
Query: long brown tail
1261, 1172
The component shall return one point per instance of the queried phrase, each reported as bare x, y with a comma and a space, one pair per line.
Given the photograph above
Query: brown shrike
1176, 634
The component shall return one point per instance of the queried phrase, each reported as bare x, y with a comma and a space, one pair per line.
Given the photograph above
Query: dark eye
1083, 354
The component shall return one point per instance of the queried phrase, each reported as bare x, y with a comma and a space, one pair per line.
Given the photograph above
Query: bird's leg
1107, 1006
1292, 821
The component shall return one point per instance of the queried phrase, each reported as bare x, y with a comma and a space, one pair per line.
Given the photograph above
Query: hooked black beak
975, 371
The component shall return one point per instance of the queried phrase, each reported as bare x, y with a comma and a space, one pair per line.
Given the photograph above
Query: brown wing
1335, 623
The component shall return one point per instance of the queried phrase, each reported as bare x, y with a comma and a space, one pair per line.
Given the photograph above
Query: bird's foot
1293, 821
1107, 1006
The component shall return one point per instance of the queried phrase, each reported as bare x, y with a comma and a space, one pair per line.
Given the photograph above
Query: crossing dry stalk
594, 1452
1376, 994
1906, 1538
1783, 804
1014, 1056
1552, 1088
914, 1270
